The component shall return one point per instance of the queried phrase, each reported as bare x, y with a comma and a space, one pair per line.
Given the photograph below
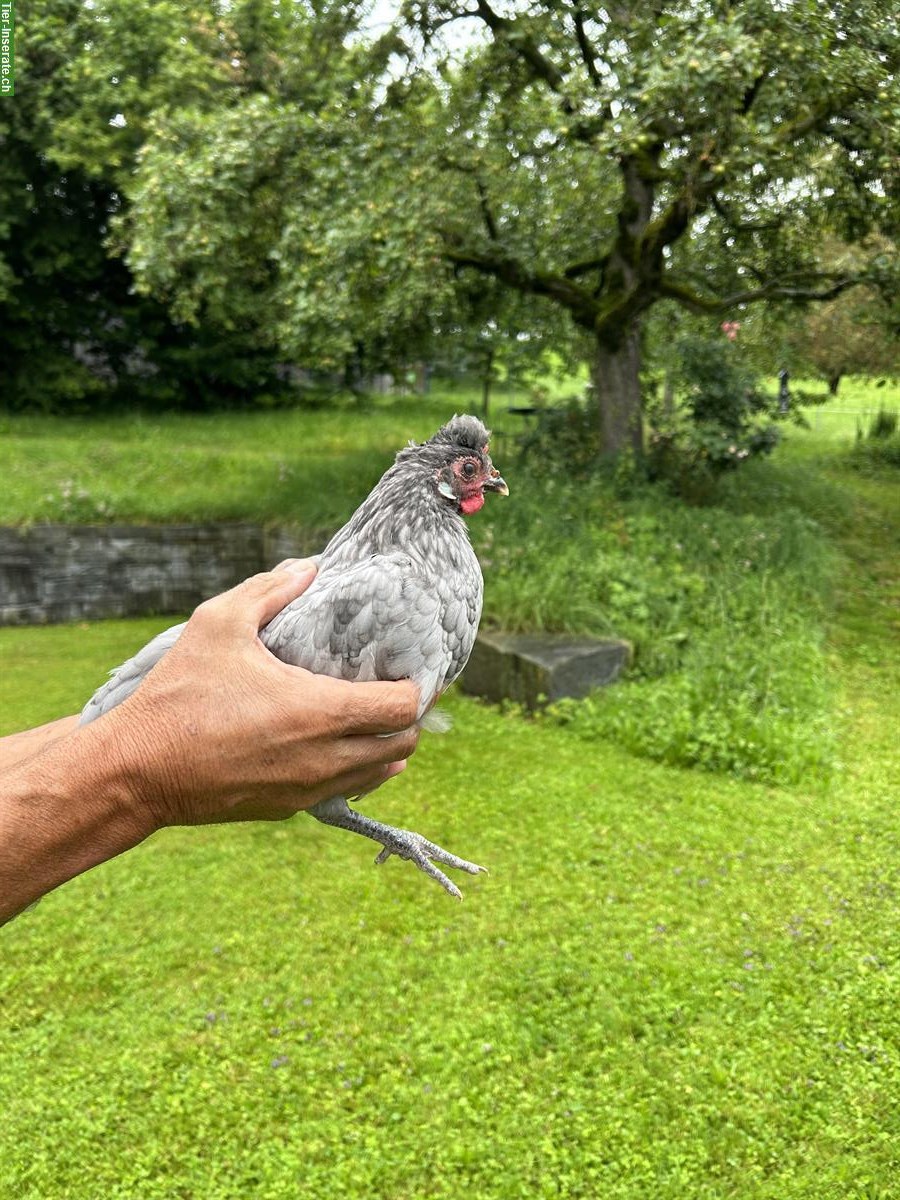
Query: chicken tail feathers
436, 722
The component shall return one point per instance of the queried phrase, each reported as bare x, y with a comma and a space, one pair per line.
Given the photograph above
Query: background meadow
673, 982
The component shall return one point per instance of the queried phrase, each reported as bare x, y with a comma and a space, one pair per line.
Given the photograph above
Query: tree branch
587, 50
752, 92
524, 46
510, 32
489, 222
738, 226
774, 290
586, 267
697, 192
501, 266
672, 223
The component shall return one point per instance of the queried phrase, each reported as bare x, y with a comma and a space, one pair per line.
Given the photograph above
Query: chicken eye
468, 470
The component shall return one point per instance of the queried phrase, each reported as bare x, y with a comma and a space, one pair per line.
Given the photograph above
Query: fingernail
299, 566
396, 768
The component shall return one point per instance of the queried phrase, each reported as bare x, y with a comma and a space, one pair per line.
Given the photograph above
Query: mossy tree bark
616, 385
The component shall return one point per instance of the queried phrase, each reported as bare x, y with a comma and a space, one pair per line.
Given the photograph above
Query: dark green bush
565, 437
883, 425
721, 421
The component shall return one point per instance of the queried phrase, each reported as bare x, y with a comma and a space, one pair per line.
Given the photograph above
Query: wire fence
840, 423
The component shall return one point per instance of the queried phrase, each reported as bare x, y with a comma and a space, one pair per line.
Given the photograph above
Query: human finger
364, 750
390, 772
291, 564
353, 784
367, 708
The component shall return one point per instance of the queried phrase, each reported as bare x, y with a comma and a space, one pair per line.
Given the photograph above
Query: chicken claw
402, 842
406, 844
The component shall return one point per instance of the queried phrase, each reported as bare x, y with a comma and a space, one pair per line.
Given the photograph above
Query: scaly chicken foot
402, 842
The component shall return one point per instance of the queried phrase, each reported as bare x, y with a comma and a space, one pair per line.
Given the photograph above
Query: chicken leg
402, 842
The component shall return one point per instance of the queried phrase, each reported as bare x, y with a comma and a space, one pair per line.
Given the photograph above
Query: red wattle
471, 504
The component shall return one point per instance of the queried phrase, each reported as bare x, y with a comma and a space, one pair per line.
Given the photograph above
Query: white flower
118, 121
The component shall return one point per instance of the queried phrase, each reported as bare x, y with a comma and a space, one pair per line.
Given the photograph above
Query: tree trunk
834, 382
617, 395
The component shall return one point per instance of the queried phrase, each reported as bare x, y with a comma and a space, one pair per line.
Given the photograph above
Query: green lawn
304, 466
858, 400
671, 985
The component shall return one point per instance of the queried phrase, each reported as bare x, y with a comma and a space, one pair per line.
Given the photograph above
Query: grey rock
533, 668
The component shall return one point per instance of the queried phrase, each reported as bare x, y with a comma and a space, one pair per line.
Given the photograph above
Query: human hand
221, 730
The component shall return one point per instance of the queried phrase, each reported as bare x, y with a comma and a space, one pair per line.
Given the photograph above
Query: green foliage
760, 710
884, 424
275, 175
720, 389
852, 334
279, 188
880, 446
671, 984
884, 452
724, 611
563, 439
721, 422
95, 81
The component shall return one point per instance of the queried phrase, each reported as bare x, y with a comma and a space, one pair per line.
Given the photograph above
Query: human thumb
258, 599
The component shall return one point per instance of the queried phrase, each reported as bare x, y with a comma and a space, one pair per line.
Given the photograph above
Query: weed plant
878, 445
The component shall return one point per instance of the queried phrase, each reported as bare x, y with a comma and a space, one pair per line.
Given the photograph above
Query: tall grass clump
879, 445
724, 610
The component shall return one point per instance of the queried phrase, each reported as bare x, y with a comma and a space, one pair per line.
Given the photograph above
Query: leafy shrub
755, 710
565, 437
721, 422
884, 424
884, 452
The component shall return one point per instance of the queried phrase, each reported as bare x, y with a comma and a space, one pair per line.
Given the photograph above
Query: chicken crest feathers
464, 431
461, 435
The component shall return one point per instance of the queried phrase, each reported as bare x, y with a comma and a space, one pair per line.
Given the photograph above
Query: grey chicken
397, 596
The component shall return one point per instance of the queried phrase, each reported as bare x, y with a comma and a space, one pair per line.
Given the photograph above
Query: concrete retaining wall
51, 573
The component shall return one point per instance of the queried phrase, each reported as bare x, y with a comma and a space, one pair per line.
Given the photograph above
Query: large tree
697, 151
596, 159
72, 324
95, 81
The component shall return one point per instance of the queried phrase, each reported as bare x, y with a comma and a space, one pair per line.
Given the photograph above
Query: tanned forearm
17, 747
63, 809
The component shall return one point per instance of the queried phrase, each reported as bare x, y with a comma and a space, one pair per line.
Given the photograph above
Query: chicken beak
496, 483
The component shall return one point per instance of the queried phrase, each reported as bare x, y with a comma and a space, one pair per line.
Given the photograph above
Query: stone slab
532, 669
